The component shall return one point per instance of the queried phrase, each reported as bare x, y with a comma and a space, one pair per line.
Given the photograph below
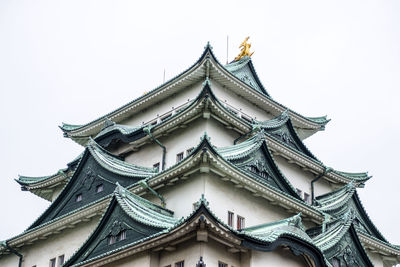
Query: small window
78, 198
230, 218
156, 166
180, 264
122, 235
222, 264
299, 192
60, 260
307, 198
188, 151
52, 262
179, 157
99, 188
240, 222
111, 240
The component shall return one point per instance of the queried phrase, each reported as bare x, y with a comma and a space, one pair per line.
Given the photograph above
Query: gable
112, 226
348, 252
260, 165
84, 188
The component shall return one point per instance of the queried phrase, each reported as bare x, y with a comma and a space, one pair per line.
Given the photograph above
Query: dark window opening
222, 264
179, 157
179, 264
156, 166
189, 151
78, 198
307, 198
230, 218
52, 262
122, 235
99, 188
240, 222
60, 260
112, 239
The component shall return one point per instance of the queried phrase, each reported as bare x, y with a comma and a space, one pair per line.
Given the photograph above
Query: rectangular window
299, 192
307, 198
188, 151
240, 222
78, 198
122, 235
52, 262
221, 264
179, 157
111, 240
179, 264
99, 188
230, 218
60, 260
156, 166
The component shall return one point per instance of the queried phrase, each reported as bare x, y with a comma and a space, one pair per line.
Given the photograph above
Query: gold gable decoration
245, 46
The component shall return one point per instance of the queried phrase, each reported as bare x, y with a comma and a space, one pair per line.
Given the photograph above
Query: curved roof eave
80, 133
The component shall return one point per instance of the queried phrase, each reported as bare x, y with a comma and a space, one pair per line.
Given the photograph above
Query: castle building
205, 170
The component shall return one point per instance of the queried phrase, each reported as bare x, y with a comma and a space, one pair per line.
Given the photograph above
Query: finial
208, 46
245, 46
201, 263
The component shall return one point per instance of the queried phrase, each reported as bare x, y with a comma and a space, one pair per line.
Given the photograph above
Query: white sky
74, 61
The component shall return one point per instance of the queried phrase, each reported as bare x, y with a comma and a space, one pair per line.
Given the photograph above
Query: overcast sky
73, 61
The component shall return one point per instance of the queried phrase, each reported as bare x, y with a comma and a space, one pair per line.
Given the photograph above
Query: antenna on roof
227, 48
164, 76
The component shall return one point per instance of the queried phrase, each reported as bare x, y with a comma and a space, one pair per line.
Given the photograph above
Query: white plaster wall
277, 258
10, 260
224, 196
166, 105
225, 95
188, 251
181, 196
301, 179
180, 140
137, 260
56, 192
376, 259
40, 253
215, 252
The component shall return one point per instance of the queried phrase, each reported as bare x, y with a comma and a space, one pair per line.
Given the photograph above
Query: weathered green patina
340, 242
95, 177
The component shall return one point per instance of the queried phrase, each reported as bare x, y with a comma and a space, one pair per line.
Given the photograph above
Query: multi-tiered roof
343, 229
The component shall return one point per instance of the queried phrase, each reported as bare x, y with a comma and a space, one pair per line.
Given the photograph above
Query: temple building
205, 170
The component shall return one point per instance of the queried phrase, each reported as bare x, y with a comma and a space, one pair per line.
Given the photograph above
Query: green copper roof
340, 201
143, 210
116, 165
245, 71
239, 67
336, 199
271, 231
337, 229
27, 180
357, 176
70, 127
111, 126
243, 149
